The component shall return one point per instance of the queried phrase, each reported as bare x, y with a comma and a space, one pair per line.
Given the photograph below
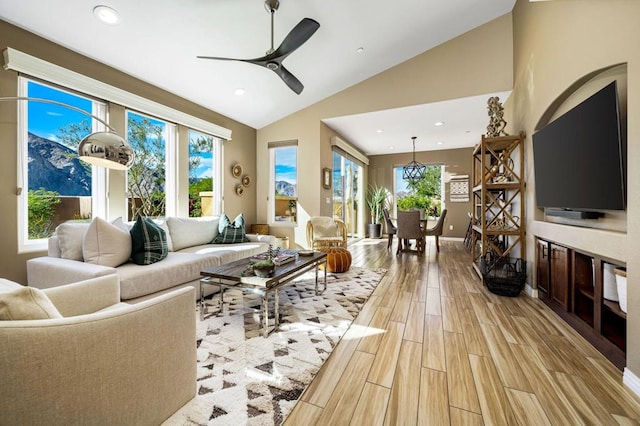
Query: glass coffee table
230, 275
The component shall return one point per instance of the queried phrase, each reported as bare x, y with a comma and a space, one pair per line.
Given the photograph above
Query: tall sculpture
496, 118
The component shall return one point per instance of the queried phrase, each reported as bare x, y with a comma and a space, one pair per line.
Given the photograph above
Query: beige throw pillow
106, 244
190, 232
70, 239
26, 303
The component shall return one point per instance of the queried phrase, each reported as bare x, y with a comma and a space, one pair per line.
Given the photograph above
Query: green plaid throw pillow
148, 242
229, 233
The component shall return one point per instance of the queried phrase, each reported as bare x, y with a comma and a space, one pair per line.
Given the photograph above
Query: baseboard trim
631, 381
531, 292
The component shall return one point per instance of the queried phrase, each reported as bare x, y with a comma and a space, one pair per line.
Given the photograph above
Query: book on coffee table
284, 256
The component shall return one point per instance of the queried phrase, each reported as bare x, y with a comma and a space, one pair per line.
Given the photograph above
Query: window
147, 178
57, 185
425, 194
284, 172
153, 191
204, 180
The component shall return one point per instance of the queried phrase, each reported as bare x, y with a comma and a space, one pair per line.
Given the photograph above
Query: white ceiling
158, 41
439, 125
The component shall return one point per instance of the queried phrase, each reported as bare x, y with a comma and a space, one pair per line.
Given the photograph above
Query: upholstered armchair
409, 228
436, 231
326, 232
96, 360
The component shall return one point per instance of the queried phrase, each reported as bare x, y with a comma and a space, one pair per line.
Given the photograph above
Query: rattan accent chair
324, 232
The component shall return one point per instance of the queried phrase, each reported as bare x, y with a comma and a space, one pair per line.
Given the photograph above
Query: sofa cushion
26, 303
228, 252
70, 236
148, 242
106, 243
230, 233
175, 269
188, 232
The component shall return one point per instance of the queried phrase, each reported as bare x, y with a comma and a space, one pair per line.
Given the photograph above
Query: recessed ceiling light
391, 148
440, 142
239, 91
106, 14
360, 50
438, 123
379, 130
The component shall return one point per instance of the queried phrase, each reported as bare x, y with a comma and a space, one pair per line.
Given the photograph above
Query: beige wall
474, 63
456, 162
242, 148
556, 44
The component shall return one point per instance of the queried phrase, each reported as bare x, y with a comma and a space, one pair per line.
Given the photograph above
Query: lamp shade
106, 149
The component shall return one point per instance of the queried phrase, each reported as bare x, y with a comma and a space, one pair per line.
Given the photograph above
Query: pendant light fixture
413, 171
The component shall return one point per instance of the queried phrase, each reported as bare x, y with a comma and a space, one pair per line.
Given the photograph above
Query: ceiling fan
273, 58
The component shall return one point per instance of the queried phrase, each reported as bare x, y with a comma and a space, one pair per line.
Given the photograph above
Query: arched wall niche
585, 87
581, 89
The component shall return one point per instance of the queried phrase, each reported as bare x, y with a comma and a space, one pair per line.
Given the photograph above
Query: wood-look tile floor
433, 347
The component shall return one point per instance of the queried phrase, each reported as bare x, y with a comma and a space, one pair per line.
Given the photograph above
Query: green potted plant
377, 199
263, 268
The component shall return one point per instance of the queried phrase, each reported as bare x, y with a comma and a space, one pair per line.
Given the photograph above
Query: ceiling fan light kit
273, 58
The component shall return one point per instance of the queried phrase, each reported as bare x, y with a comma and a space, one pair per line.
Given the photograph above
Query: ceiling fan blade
289, 79
218, 58
273, 61
296, 38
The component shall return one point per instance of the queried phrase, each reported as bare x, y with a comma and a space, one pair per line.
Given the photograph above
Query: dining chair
436, 230
391, 228
409, 228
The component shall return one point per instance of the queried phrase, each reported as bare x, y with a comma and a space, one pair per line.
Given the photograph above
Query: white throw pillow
26, 303
70, 236
6, 285
163, 224
106, 244
119, 222
189, 232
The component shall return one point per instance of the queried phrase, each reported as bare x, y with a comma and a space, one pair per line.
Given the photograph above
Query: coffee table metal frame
230, 276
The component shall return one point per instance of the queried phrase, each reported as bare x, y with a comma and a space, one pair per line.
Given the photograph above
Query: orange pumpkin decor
338, 259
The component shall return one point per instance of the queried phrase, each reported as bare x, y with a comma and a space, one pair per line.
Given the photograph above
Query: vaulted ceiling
158, 41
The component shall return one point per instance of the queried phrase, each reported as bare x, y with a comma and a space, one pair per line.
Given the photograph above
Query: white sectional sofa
190, 251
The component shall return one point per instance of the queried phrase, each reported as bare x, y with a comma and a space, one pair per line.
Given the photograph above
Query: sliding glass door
348, 193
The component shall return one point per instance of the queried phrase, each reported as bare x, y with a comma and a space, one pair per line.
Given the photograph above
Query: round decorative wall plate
246, 180
239, 189
236, 170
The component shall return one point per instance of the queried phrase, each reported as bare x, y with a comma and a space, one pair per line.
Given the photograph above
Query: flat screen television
579, 159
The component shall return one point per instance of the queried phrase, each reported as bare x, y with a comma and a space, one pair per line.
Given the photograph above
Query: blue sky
286, 164
205, 169
401, 184
45, 120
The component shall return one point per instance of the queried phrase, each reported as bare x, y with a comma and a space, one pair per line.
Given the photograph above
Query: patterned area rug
245, 379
